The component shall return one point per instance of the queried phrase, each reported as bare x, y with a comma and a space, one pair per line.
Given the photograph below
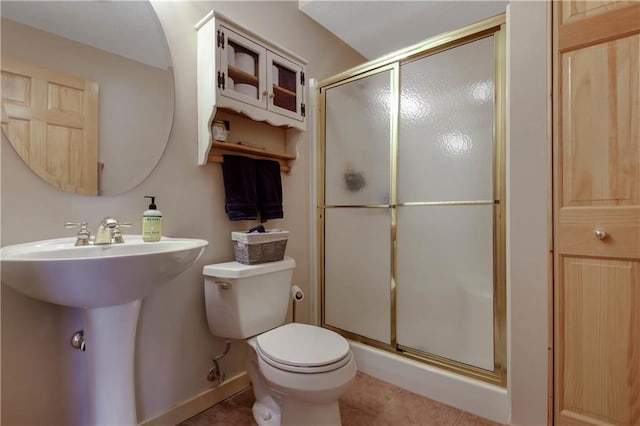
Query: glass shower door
445, 232
355, 205
411, 203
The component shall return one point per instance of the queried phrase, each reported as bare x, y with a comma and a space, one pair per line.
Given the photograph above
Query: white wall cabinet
241, 72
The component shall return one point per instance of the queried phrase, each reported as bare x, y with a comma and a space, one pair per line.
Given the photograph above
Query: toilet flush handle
223, 285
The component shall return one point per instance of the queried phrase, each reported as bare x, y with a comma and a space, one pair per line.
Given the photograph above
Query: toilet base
266, 409
265, 414
296, 412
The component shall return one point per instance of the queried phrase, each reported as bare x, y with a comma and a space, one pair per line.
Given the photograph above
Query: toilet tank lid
240, 270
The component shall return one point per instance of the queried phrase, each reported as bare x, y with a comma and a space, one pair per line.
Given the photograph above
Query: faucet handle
116, 235
84, 236
75, 224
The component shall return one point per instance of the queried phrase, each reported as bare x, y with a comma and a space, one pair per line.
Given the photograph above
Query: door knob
600, 233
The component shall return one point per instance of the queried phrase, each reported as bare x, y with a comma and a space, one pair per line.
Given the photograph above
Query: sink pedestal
110, 335
120, 276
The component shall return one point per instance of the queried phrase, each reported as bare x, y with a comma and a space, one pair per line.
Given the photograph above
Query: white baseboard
199, 403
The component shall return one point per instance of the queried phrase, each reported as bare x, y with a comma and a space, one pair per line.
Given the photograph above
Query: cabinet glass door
242, 68
284, 79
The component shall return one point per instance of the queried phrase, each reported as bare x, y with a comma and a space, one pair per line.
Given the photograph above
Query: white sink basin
97, 275
109, 283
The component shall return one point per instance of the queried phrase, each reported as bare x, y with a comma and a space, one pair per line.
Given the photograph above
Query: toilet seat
305, 370
303, 348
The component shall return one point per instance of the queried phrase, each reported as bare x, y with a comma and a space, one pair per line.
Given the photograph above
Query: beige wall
43, 378
528, 183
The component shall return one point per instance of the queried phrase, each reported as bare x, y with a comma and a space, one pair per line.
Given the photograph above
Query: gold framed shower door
494, 27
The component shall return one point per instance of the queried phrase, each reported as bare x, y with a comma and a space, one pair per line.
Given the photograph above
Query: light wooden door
51, 119
596, 213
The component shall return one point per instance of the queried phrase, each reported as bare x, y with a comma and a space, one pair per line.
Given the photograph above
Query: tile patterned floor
369, 402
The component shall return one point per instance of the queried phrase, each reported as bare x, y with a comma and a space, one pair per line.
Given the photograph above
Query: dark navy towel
240, 199
269, 189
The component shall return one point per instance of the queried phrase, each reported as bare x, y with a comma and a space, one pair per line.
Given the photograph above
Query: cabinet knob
265, 93
271, 95
600, 233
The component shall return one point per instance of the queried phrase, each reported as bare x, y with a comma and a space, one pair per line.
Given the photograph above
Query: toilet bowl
298, 371
308, 369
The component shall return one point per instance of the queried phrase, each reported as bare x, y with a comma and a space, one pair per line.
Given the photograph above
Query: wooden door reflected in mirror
51, 120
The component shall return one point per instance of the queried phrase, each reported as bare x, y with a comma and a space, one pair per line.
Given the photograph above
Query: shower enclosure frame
494, 27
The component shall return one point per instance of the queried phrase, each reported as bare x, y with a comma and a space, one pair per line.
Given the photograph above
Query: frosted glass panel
357, 141
445, 282
445, 148
358, 272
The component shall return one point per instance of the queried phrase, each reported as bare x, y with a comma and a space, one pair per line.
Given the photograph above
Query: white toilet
298, 371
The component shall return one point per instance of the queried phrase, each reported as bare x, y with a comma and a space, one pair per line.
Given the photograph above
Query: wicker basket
256, 248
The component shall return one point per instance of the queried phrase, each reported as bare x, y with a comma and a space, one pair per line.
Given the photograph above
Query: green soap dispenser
151, 222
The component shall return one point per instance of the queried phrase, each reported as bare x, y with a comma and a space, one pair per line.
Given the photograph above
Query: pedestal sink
108, 282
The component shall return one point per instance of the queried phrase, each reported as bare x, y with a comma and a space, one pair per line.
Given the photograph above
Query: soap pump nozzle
152, 206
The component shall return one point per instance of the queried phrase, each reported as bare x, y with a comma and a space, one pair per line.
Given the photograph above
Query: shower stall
411, 202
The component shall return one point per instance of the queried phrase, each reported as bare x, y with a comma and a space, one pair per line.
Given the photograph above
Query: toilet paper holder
297, 295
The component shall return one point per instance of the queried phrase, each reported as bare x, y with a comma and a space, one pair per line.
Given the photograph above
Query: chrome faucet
108, 232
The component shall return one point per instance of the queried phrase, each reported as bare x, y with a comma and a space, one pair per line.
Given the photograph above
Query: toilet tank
246, 300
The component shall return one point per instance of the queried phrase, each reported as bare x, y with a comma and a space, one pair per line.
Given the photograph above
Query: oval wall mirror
87, 91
